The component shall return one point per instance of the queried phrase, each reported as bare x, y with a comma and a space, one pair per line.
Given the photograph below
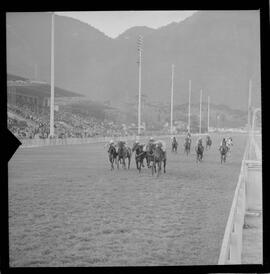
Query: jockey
162, 145
199, 141
110, 144
223, 143
188, 137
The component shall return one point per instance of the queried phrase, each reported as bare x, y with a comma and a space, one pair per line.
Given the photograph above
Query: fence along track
232, 244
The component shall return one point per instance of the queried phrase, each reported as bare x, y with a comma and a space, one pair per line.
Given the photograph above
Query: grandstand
29, 107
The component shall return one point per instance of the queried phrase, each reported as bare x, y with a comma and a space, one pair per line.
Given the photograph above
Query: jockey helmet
151, 139
111, 142
136, 142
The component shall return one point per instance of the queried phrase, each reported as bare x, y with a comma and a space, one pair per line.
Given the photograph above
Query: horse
229, 144
223, 153
123, 153
140, 155
199, 152
208, 143
149, 153
174, 145
187, 145
112, 155
159, 156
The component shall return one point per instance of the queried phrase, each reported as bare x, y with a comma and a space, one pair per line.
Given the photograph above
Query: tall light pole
189, 97
140, 41
201, 111
172, 100
52, 80
208, 114
249, 104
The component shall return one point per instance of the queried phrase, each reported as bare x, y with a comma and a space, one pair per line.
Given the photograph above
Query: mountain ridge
218, 52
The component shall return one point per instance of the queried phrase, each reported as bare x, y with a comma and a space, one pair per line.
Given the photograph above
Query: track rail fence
70, 141
231, 248
247, 196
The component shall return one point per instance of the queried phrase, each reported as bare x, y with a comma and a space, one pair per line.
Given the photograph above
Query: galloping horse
187, 145
229, 144
174, 145
139, 155
199, 152
208, 143
112, 155
159, 156
223, 152
123, 153
150, 153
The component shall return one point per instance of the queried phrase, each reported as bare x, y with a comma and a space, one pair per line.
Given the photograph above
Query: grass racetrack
67, 208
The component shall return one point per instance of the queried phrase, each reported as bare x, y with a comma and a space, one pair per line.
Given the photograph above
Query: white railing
70, 141
244, 196
231, 248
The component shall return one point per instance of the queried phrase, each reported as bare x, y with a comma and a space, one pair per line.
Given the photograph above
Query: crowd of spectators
25, 123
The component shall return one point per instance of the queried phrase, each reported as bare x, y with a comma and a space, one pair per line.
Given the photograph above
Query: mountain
219, 51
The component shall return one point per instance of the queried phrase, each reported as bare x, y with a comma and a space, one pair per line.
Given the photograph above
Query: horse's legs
159, 168
129, 161
164, 165
117, 161
111, 163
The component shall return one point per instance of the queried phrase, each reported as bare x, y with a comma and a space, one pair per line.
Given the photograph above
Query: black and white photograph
140, 136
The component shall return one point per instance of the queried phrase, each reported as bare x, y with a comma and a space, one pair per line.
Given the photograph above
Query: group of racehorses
155, 154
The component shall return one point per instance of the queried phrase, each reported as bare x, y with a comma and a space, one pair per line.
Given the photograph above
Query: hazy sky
113, 23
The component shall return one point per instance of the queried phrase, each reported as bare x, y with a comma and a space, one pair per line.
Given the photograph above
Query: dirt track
66, 208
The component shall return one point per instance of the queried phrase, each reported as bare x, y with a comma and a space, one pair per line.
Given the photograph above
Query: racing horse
174, 145
112, 155
187, 145
140, 155
199, 152
150, 153
124, 152
229, 144
223, 153
208, 143
159, 156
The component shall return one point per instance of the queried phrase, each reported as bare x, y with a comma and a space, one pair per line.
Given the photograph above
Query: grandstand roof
37, 88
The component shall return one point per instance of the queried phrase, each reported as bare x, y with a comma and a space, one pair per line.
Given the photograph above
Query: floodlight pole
52, 80
172, 101
140, 76
189, 97
208, 114
201, 111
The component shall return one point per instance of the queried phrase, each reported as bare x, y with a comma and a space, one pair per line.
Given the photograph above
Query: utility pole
208, 114
52, 80
140, 41
189, 97
172, 100
249, 105
201, 111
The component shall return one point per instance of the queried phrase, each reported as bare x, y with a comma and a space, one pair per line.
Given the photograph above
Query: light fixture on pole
139, 42
172, 101
52, 80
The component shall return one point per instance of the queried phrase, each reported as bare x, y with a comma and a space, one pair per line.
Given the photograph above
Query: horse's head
112, 149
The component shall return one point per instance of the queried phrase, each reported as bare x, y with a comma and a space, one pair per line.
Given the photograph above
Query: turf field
67, 208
